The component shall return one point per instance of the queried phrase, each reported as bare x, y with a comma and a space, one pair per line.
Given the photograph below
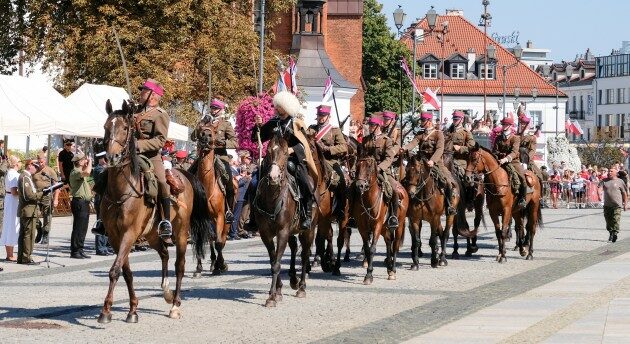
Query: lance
122, 57
335, 103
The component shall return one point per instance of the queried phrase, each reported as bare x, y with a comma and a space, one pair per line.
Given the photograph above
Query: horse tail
200, 226
461, 223
540, 219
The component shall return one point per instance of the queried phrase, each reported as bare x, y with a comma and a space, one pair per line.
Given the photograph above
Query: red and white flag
405, 67
292, 72
577, 128
431, 98
328, 90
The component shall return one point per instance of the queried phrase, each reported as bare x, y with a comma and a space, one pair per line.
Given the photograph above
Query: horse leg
329, 262
369, 256
520, 232
444, 234
220, 266
166, 290
132, 316
305, 240
455, 254
414, 231
293, 246
271, 250
498, 232
114, 273
507, 219
213, 256
340, 244
319, 248
532, 225
433, 243
180, 268
346, 242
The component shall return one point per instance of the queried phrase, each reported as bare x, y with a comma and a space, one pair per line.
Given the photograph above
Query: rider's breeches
160, 175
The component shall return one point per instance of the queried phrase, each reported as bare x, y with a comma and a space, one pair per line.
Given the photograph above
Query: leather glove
503, 161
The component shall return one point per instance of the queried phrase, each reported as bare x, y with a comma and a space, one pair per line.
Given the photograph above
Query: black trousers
80, 218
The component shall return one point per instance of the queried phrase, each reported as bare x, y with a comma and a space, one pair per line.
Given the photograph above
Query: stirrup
229, 217
352, 222
98, 228
305, 224
165, 229
450, 210
522, 203
392, 222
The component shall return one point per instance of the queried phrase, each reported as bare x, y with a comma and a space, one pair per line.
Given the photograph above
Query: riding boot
165, 229
308, 214
392, 221
522, 194
229, 199
448, 199
352, 223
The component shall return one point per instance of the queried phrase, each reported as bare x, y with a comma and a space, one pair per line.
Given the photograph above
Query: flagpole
335, 103
400, 156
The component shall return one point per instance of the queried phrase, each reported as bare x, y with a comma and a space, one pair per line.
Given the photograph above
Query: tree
381, 63
168, 40
603, 153
12, 26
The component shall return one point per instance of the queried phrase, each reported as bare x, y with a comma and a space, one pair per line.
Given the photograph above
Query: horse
127, 216
370, 210
276, 210
426, 203
502, 201
204, 169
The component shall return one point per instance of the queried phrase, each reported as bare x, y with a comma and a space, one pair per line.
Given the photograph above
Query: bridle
477, 158
367, 210
280, 186
420, 186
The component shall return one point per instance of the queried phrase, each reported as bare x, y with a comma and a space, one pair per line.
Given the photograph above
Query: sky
566, 27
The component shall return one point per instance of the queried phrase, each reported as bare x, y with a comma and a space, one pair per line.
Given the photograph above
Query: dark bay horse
204, 169
502, 201
426, 203
370, 209
126, 215
277, 214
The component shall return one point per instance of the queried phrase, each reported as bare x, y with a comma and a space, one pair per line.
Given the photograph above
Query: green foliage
168, 40
381, 63
11, 27
603, 153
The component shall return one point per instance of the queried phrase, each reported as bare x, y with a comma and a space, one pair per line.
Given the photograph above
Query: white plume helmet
287, 102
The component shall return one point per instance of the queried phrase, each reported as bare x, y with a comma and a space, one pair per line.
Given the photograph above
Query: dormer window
458, 71
430, 70
582, 73
486, 71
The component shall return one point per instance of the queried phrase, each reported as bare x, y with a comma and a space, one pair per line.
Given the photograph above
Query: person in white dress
11, 221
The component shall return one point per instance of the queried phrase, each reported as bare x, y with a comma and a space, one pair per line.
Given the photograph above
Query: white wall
614, 108
313, 98
589, 118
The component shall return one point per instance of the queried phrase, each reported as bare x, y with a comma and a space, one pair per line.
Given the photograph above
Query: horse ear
108, 107
125, 107
476, 146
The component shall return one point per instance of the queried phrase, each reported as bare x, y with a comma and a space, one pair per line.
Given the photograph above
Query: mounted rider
381, 147
430, 143
300, 163
332, 144
458, 141
527, 149
215, 126
506, 147
152, 123
390, 128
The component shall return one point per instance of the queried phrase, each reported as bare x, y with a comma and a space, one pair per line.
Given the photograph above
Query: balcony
577, 114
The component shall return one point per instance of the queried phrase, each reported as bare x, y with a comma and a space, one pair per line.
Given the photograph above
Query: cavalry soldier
380, 146
151, 131
458, 141
224, 139
391, 129
506, 147
527, 149
300, 162
332, 144
430, 143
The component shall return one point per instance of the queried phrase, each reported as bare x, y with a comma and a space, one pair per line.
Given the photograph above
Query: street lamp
399, 18
431, 18
418, 33
485, 22
518, 53
546, 70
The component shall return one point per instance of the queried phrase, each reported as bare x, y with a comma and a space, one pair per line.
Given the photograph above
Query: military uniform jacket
430, 145
459, 136
394, 133
151, 131
507, 148
381, 147
527, 148
224, 136
334, 140
42, 182
29, 197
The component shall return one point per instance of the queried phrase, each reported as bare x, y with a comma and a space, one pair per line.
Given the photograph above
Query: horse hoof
105, 318
270, 303
168, 296
327, 268
132, 318
391, 276
365, 264
523, 253
515, 248
300, 294
529, 257
336, 272
279, 296
224, 268
346, 258
474, 249
502, 260
216, 272
316, 262
294, 284
196, 274
368, 280
468, 253
360, 256
414, 267
443, 262
175, 313
455, 255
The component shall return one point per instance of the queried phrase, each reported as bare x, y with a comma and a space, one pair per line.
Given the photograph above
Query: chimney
529, 44
472, 56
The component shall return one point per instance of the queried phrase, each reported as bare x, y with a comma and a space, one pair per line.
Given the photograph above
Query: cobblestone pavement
577, 289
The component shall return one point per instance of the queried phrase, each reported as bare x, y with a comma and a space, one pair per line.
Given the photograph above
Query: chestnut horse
502, 201
126, 215
204, 169
427, 203
370, 210
276, 211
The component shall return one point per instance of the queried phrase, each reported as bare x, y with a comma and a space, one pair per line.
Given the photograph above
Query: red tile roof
462, 36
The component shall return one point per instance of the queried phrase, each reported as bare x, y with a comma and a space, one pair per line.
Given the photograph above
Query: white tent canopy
91, 99
32, 107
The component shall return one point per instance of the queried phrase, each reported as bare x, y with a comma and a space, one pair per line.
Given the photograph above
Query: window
622, 120
458, 71
582, 74
430, 71
610, 96
599, 120
581, 113
620, 96
609, 120
574, 105
536, 117
486, 71
599, 96
588, 134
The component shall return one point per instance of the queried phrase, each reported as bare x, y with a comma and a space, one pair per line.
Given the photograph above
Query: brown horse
370, 209
502, 201
127, 216
204, 169
427, 203
276, 210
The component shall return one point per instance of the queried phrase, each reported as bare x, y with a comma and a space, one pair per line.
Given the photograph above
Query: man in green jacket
28, 211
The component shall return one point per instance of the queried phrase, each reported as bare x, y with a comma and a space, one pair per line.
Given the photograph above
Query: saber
124, 62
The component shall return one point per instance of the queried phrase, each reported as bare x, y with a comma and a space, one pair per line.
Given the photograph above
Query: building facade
612, 94
534, 57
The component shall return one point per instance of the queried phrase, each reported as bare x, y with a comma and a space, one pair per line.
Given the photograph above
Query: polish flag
431, 98
328, 90
577, 128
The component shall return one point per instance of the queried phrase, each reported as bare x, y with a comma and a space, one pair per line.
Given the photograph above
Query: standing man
4, 168
333, 146
217, 128
615, 197
81, 183
100, 237
64, 160
44, 178
28, 212
151, 132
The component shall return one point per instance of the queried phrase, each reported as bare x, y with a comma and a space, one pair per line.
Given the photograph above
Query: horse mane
133, 156
487, 151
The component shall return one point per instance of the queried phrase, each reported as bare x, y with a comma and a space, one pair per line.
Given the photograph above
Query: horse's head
365, 173
476, 164
205, 139
277, 158
118, 138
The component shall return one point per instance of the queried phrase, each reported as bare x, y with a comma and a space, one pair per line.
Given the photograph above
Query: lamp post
261, 60
417, 34
518, 53
485, 22
399, 19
